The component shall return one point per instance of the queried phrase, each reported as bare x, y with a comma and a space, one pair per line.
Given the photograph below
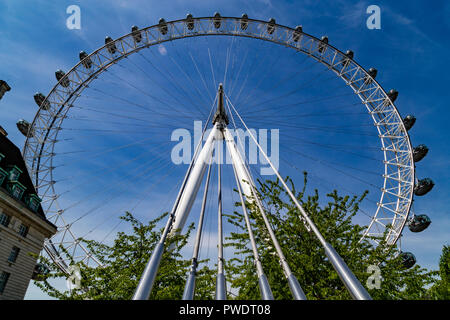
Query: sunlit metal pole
179, 213
221, 286
189, 289
355, 288
195, 180
264, 287
247, 185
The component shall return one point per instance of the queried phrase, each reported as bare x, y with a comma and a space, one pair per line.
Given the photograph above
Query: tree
305, 255
123, 263
441, 289
124, 260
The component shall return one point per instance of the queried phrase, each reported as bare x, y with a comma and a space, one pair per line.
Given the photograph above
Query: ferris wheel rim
393, 235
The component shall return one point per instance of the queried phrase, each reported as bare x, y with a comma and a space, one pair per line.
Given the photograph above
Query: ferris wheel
102, 140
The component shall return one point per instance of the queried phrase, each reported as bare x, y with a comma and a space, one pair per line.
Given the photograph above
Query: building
4, 87
23, 225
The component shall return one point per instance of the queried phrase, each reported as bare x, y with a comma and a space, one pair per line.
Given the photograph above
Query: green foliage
441, 290
124, 260
306, 256
123, 263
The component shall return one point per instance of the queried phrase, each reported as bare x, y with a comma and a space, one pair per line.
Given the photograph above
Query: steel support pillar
180, 211
355, 288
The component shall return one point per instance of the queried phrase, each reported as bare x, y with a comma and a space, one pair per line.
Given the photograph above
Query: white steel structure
243, 180
397, 191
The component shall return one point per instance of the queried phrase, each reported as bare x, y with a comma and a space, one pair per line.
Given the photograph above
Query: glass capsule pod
297, 33
423, 186
244, 21
137, 36
190, 21
419, 223
217, 20
60, 76
39, 98
408, 259
110, 45
85, 60
24, 128
420, 152
162, 26
409, 121
271, 26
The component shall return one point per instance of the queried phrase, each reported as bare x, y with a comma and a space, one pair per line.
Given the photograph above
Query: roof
13, 156
5, 84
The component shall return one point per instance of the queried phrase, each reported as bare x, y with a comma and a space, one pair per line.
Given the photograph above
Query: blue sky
410, 53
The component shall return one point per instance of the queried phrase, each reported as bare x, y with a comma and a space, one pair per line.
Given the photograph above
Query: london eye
263, 100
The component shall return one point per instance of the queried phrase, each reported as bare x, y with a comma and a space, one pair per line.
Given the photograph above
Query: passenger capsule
419, 223
419, 152
392, 95
190, 21
217, 20
371, 74
346, 59
350, 54
162, 26
244, 21
423, 186
4, 87
409, 121
85, 60
39, 99
110, 45
297, 33
271, 26
62, 79
408, 259
24, 127
322, 44
137, 36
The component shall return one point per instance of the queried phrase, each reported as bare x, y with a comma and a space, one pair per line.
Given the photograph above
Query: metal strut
221, 286
189, 289
247, 185
191, 183
187, 195
355, 288
264, 287
220, 116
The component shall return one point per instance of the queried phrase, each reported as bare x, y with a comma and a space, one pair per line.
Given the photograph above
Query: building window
16, 189
3, 280
23, 230
33, 202
4, 219
3, 175
14, 173
13, 255
17, 193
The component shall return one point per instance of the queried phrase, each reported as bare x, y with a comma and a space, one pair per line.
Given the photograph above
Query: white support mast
197, 170
195, 180
354, 287
186, 198
247, 185
221, 121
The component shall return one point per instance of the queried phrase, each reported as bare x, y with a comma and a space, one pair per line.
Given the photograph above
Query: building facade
23, 225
